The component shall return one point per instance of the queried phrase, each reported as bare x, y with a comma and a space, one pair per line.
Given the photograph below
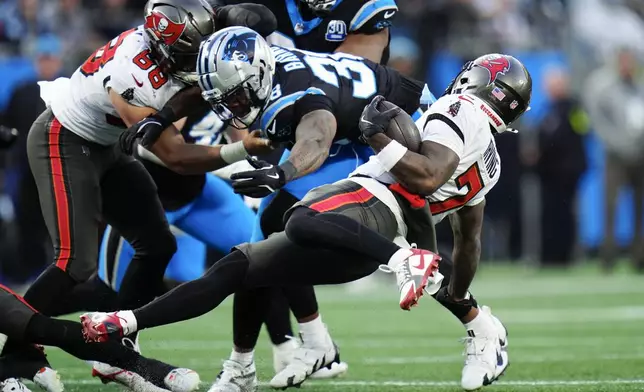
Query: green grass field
569, 331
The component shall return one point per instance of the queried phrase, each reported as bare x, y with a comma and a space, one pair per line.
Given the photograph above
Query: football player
357, 27
299, 90
81, 177
22, 322
373, 214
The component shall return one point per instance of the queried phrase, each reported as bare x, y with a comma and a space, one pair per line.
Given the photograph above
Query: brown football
402, 128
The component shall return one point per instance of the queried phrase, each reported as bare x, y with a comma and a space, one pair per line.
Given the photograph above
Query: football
402, 128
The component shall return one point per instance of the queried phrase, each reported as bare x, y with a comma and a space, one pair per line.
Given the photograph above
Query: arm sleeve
254, 16
373, 16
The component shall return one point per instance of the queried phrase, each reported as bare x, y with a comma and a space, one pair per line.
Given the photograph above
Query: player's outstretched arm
313, 138
466, 225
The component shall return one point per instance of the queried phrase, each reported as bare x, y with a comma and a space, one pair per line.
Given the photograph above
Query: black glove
373, 120
466, 67
148, 130
266, 179
8, 136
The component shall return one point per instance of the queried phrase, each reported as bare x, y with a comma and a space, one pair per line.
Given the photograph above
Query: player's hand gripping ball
382, 116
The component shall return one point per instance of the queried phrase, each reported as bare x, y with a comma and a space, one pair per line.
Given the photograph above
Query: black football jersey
340, 83
298, 27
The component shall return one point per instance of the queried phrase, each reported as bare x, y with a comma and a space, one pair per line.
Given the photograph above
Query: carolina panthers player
345, 230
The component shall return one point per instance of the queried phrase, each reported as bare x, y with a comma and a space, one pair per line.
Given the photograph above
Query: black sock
52, 286
278, 319
142, 282
198, 297
250, 310
93, 295
458, 308
331, 230
13, 367
302, 300
68, 336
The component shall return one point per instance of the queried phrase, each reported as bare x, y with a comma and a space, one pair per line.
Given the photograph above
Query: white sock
482, 325
3, 341
244, 358
287, 346
128, 321
314, 331
398, 257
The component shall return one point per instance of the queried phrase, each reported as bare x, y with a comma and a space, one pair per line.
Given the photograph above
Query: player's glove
8, 136
466, 67
147, 131
261, 182
373, 120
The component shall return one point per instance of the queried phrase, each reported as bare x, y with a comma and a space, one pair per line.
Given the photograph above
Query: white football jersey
82, 103
459, 123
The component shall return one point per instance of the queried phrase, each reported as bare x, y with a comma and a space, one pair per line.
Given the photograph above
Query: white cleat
413, 274
13, 385
235, 377
308, 359
48, 380
283, 355
126, 378
182, 380
486, 354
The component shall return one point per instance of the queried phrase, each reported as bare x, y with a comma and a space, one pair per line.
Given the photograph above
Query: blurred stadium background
570, 194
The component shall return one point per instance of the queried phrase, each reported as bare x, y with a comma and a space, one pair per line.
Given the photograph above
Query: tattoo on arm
466, 226
313, 138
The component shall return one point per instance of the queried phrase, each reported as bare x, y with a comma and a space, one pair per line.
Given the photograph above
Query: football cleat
13, 385
283, 355
131, 380
182, 380
235, 377
101, 327
48, 380
413, 275
486, 356
308, 359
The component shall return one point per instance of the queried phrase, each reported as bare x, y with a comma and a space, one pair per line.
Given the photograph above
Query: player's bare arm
369, 46
466, 225
313, 138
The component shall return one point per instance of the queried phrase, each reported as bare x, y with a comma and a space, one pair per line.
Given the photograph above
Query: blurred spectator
404, 55
23, 20
560, 164
615, 101
73, 28
114, 17
24, 107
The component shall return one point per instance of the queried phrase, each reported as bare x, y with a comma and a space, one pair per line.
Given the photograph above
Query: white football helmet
235, 72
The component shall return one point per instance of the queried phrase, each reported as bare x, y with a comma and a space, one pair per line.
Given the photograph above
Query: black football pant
79, 183
26, 327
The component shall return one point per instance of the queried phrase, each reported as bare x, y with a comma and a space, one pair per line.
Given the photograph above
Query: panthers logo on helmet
240, 48
164, 28
496, 65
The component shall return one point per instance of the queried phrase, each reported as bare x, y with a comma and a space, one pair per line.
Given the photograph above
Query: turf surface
569, 331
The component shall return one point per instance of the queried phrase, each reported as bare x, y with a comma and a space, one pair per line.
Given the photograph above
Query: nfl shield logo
336, 31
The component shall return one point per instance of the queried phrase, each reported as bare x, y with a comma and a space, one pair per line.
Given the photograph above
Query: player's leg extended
189, 261
131, 206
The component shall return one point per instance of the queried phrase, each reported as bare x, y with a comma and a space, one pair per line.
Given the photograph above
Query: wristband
289, 170
165, 116
391, 154
230, 153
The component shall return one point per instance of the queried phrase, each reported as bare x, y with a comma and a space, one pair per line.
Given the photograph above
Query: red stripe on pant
60, 196
19, 298
336, 201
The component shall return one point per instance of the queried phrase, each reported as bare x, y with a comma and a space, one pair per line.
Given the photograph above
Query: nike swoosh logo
272, 130
421, 262
365, 121
389, 14
139, 84
274, 176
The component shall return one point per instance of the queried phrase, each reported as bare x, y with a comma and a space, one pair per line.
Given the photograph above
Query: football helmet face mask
502, 82
235, 72
174, 29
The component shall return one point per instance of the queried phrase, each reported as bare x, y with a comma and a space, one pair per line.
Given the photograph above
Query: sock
398, 257
245, 359
314, 331
128, 321
480, 326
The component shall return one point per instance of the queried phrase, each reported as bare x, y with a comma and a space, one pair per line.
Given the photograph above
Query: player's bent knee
298, 224
160, 246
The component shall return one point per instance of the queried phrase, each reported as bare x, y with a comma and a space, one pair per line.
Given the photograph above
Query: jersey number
156, 76
330, 68
103, 55
472, 180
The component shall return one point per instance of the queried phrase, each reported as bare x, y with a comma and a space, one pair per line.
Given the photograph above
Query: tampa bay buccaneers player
359, 27
80, 176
